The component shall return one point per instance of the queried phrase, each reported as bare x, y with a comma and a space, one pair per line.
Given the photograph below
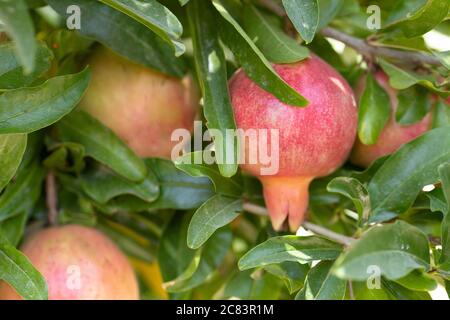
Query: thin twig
374, 51
339, 238
51, 198
255, 209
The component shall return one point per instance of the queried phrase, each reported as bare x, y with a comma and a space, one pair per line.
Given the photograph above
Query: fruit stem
51, 198
339, 238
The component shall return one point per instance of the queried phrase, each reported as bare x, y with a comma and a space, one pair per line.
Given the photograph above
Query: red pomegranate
313, 141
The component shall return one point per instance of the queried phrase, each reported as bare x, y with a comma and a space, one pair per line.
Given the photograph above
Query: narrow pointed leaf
304, 15
12, 149
154, 16
18, 271
29, 109
395, 249
215, 213
212, 73
256, 66
289, 248
102, 144
18, 24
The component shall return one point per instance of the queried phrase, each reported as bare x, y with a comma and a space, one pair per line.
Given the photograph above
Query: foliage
192, 220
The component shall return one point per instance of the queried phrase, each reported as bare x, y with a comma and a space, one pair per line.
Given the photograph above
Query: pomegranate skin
78, 263
313, 141
393, 135
142, 106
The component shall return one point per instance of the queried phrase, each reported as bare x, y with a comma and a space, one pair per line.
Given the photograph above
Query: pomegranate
78, 263
313, 141
140, 105
393, 136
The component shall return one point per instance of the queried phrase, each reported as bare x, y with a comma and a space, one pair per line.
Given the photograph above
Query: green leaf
101, 184
12, 149
402, 9
215, 213
154, 16
289, 248
400, 179
17, 22
304, 15
29, 109
123, 35
35, 147
417, 281
321, 284
444, 174
292, 273
355, 191
444, 56
18, 271
11, 71
66, 157
413, 105
177, 189
387, 290
102, 144
395, 249
174, 256
66, 43
328, 11
417, 22
205, 262
248, 286
401, 79
222, 185
276, 46
253, 61
441, 114
437, 201
361, 291
22, 194
399, 292
13, 228
374, 111
212, 74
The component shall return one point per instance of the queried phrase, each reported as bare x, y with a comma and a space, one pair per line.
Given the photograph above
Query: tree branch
51, 198
360, 45
373, 51
339, 238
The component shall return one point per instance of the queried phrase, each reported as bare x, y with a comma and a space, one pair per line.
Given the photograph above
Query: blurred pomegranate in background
142, 106
78, 263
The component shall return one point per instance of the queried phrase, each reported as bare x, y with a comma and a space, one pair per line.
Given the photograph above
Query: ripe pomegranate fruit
313, 141
140, 105
78, 263
393, 136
